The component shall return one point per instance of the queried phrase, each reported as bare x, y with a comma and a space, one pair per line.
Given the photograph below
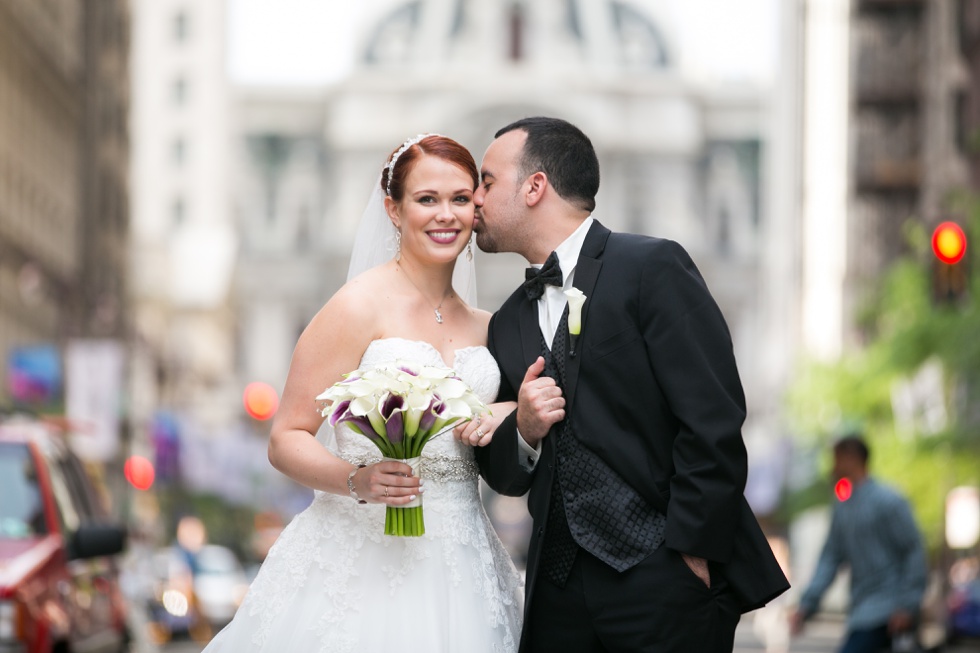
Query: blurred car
59, 581
172, 606
219, 582
195, 593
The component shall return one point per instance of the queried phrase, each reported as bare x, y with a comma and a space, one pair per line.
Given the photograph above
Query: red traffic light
139, 472
949, 243
843, 489
261, 400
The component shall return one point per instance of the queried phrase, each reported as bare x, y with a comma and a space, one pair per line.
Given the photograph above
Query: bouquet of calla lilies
400, 406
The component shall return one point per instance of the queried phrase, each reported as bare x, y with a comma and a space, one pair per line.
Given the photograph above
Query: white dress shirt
551, 305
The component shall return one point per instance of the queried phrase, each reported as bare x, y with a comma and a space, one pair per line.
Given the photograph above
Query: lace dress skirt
334, 582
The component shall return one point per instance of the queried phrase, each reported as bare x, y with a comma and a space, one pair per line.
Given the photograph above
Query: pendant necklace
435, 310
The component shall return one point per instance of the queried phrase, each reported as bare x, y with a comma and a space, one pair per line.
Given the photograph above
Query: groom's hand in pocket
540, 404
700, 568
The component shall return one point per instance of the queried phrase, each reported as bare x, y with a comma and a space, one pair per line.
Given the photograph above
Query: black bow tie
549, 275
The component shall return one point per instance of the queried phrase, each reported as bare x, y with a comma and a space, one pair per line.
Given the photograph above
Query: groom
628, 435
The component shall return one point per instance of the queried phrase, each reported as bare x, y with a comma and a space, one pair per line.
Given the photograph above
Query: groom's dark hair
564, 153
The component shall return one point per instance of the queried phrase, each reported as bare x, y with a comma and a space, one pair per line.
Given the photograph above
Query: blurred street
823, 635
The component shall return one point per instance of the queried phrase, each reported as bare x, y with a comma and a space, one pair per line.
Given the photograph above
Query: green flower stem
404, 522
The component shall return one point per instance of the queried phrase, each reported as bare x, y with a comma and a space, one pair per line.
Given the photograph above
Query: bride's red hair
440, 146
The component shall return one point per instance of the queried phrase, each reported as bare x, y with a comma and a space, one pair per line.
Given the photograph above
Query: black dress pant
657, 606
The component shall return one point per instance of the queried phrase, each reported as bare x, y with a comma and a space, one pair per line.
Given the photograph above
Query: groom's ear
537, 183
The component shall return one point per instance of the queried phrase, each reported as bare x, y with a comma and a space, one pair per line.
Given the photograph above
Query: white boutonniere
576, 299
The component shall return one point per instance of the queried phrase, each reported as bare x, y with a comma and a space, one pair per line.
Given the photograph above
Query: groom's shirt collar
569, 250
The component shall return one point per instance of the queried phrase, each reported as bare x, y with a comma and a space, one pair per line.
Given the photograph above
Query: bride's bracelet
350, 485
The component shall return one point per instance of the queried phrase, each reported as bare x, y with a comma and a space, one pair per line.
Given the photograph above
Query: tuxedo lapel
586, 275
530, 331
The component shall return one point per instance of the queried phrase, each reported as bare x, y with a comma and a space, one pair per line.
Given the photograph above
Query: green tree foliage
905, 329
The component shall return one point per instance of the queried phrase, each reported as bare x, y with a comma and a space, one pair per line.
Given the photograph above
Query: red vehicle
59, 589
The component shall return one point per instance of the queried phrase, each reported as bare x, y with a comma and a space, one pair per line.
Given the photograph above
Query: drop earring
469, 250
398, 245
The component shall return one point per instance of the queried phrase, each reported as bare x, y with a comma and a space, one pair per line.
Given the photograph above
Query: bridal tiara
389, 169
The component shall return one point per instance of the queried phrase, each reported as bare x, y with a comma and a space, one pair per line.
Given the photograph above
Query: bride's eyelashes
459, 199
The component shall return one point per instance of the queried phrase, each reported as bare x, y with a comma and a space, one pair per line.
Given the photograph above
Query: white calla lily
576, 299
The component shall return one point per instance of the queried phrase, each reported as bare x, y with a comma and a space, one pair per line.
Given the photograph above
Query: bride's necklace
435, 309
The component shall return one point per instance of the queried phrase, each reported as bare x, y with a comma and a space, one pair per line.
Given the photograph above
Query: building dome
583, 32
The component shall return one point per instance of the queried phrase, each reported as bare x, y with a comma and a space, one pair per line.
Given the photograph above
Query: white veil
375, 244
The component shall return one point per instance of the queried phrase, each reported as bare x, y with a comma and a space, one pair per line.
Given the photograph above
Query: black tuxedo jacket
654, 391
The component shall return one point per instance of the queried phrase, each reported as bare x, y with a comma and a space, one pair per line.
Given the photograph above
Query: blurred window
965, 138
181, 26
516, 33
78, 484
178, 151
179, 91
178, 211
21, 506
303, 228
76, 504
67, 511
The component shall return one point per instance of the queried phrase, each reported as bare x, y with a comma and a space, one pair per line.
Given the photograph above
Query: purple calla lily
392, 404
363, 426
391, 411
337, 413
429, 416
395, 428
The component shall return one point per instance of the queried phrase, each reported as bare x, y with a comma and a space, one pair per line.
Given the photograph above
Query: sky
313, 42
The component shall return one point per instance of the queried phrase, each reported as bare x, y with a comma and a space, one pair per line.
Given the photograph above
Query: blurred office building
186, 392
64, 209
889, 96
183, 242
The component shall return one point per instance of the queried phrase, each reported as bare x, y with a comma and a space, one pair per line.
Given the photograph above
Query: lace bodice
443, 454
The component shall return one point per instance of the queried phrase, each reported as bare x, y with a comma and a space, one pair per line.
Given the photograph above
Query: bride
333, 582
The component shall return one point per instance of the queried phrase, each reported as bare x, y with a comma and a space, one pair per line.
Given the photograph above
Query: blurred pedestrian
872, 532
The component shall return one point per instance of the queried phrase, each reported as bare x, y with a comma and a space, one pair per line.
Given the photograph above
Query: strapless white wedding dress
333, 582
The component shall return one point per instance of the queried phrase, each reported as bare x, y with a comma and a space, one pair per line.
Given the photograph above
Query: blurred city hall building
679, 159
242, 203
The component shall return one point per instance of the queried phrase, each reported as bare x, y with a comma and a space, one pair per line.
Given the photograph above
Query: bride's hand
387, 482
478, 431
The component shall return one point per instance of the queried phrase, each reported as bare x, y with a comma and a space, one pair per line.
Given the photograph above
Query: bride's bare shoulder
481, 317
356, 306
362, 300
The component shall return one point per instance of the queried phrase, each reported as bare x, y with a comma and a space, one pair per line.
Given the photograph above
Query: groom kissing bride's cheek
627, 432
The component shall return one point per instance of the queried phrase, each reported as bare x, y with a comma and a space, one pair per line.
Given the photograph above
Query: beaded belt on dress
435, 468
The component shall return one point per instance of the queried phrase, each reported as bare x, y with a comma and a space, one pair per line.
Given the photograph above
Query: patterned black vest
591, 507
